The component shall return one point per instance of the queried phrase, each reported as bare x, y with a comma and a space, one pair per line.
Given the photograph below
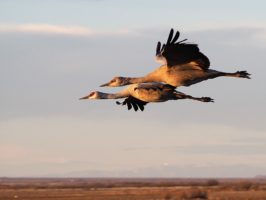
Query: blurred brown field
132, 189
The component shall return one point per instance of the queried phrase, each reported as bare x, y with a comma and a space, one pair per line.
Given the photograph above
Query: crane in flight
138, 95
182, 65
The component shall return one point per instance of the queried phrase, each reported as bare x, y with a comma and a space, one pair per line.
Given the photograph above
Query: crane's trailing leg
240, 74
202, 99
180, 95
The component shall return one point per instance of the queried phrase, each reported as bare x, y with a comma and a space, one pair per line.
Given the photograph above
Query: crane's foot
206, 99
242, 74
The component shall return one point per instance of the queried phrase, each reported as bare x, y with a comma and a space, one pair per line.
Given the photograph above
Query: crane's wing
154, 86
149, 89
133, 102
153, 92
177, 53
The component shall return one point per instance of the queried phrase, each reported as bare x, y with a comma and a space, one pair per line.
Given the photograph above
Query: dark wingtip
176, 37
129, 106
182, 41
163, 47
170, 36
141, 107
118, 103
133, 102
135, 106
158, 48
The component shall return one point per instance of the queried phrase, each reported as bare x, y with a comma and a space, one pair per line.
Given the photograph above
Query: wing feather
133, 102
158, 48
170, 37
135, 106
176, 37
178, 53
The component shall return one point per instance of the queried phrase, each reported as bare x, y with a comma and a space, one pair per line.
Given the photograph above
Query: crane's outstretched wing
133, 102
178, 53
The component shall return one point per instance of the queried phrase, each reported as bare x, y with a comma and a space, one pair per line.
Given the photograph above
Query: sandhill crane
183, 65
138, 95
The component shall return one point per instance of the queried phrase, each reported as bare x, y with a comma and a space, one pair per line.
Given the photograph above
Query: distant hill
260, 177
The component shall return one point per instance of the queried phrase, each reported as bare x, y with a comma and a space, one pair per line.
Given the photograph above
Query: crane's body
183, 65
184, 75
152, 92
138, 95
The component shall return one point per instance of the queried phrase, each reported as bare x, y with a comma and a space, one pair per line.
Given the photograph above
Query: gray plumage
138, 95
183, 65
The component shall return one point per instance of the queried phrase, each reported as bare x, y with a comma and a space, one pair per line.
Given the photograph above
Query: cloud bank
59, 30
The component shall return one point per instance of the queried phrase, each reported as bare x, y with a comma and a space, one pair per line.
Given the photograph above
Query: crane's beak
104, 85
86, 97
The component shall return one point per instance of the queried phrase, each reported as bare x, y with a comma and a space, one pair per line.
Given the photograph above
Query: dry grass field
131, 189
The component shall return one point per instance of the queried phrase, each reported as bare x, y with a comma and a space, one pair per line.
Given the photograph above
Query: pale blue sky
53, 52
113, 14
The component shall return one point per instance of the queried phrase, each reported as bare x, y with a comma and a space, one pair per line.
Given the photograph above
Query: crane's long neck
144, 79
117, 95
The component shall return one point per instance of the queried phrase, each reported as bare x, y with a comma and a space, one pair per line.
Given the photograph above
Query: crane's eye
114, 80
91, 94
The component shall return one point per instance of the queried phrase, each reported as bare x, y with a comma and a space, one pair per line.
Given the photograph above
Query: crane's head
92, 95
117, 81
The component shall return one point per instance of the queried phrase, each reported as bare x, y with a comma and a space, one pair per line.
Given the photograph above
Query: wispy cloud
60, 30
46, 29
205, 26
255, 32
